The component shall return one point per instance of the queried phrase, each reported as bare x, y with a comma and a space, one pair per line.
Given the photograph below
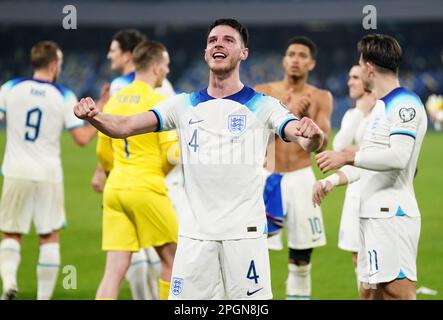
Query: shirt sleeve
398, 153
404, 116
167, 112
276, 115
71, 121
349, 125
352, 173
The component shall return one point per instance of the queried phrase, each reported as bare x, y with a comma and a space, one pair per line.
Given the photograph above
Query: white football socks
47, 270
137, 276
298, 284
9, 262
154, 271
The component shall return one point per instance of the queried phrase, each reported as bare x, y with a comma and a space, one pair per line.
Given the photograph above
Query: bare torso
291, 156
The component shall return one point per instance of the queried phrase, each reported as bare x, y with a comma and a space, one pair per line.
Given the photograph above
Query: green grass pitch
332, 272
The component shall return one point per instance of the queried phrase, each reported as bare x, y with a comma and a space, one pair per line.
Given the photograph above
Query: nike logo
253, 292
194, 122
316, 239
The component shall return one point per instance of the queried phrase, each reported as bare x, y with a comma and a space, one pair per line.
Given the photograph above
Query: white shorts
203, 267
24, 201
303, 222
349, 236
388, 249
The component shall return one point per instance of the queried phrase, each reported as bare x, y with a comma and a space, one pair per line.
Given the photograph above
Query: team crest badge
237, 123
407, 114
176, 286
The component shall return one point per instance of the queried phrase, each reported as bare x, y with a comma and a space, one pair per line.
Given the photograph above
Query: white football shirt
36, 114
352, 129
388, 193
223, 144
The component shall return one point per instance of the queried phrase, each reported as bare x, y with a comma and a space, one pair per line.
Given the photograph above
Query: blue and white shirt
223, 144
388, 193
36, 114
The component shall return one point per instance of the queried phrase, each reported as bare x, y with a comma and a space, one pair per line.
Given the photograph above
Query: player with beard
224, 130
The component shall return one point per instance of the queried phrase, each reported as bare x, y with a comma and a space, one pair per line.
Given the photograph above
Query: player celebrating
137, 211
349, 137
145, 268
37, 110
293, 178
219, 240
389, 214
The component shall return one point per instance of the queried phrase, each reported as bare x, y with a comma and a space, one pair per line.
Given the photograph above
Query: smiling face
298, 61
224, 50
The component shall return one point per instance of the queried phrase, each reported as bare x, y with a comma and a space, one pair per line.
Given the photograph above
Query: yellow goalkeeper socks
164, 289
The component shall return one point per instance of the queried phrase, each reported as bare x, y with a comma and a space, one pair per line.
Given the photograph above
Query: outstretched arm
306, 133
113, 125
396, 157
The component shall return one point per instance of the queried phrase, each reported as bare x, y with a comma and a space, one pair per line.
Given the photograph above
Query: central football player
224, 130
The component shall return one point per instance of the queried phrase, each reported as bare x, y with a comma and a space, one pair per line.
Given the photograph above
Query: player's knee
15, 236
300, 257
49, 238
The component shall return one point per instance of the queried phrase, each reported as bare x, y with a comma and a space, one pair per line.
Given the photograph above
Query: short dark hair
147, 52
382, 50
43, 53
128, 39
303, 41
233, 24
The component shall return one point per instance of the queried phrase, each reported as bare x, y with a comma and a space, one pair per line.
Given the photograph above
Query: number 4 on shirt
193, 143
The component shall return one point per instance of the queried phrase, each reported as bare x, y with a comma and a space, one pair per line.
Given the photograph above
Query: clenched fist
307, 128
86, 109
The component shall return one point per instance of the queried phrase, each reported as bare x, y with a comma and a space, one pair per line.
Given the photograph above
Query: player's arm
396, 157
404, 124
349, 124
105, 164
170, 150
83, 135
104, 153
323, 117
324, 186
306, 133
113, 125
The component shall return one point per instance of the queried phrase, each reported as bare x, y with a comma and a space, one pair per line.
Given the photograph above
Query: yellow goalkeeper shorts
137, 219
